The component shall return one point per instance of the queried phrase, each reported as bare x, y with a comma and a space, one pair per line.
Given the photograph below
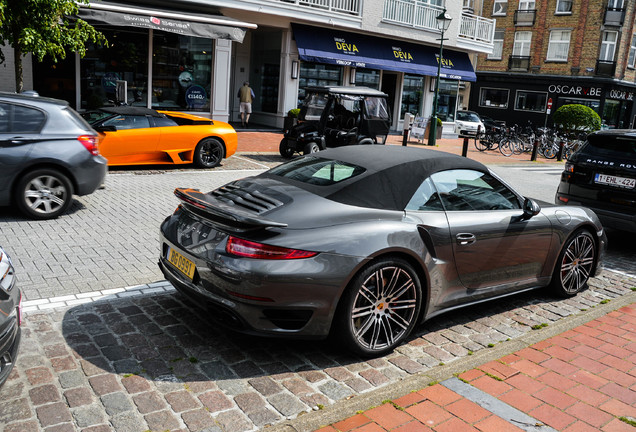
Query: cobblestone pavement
101, 357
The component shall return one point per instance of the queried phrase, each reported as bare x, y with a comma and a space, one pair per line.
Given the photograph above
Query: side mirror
530, 208
109, 128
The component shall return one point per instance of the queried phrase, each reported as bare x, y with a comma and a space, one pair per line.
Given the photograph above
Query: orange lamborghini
141, 136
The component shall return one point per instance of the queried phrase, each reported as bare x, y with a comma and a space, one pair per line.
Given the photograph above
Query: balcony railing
411, 13
605, 67
477, 28
614, 16
525, 17
421, 15
351, 7
519, 63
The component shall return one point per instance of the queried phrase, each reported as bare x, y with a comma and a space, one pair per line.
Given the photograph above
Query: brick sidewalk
581, 380
258, 141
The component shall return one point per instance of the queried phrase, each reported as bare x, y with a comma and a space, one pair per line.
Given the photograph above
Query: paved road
141, 358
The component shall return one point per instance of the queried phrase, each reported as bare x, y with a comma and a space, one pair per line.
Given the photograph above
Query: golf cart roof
349, 90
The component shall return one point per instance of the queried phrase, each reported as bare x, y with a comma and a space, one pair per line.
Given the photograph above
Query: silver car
363, 245
47, 154
10, 316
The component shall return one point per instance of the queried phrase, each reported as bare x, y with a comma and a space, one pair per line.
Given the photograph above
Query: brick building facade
556, 52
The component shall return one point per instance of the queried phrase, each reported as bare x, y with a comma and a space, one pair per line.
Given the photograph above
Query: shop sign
196, 97
401, 55
575, 90
620, 94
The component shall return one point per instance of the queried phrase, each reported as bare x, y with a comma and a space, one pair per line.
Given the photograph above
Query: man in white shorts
246, 96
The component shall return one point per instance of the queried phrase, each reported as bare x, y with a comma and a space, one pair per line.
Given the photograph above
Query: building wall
7, 72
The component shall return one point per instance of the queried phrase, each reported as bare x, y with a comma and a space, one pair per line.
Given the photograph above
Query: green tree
577, 118
43, 27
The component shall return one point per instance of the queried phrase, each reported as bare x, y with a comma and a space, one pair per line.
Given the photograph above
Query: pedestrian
246, 96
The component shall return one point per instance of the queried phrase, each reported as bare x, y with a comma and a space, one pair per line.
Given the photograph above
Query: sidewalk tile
617, 426
351, 423
455, 425
588, 395
387, 416
529, 368
439, 394
429, 413
559, 366
533, 355
589, 415
409, 399
471, 375
557, 381
468, 411
525, 383
555, 398
496, 424
501, 370
579, 426
491, 386
618, 408
618, 392
552, 416
413, 426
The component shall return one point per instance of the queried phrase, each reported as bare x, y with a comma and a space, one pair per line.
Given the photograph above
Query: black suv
601, 175
47, 154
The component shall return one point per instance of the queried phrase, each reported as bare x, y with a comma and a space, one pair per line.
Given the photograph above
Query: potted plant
438, 130
291, 119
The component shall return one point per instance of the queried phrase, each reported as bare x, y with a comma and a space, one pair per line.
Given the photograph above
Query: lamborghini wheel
208, 153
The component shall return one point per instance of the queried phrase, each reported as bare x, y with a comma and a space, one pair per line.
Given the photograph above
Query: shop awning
357, 50
210, 26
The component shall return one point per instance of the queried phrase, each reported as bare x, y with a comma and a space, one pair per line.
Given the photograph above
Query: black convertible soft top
392, 174
131, 110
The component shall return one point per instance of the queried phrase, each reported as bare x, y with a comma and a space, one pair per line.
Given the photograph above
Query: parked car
10, 316
601, 175
363, 245
47, 154
335, 116
142, 136
468, 123
491, 124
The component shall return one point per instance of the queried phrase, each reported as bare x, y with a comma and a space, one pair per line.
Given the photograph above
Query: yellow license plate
181, 263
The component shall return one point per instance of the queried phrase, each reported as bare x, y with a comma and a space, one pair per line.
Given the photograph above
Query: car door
133, 142
19, 128
174, 140
496, 248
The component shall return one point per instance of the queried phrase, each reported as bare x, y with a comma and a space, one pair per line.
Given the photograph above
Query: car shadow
165, 338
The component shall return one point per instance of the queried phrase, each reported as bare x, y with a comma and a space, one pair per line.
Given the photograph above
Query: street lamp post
443, 22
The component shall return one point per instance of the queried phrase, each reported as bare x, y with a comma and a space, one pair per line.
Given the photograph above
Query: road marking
500, 409
159, 287
620, 272
251, 161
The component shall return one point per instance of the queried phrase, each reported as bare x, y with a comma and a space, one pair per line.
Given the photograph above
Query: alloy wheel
577, 263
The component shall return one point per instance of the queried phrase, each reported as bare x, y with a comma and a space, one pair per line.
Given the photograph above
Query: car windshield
317, 171
617, 146
93, 117
376, 108
467, 116
313, 105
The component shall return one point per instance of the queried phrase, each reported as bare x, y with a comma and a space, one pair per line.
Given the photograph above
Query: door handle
465, 238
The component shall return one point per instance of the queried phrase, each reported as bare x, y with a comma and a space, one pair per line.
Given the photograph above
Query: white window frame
497, 52
608, 47
521, 47
631, 62
527, 4
500, 8
542, 110
494, 106
564, 12
558, 45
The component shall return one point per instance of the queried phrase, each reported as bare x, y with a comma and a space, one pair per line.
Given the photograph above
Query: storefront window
266, 70
447, 99
314, 74
181, 71
493, 97
531, 101
616, 114
412, 95
125, 59
368, 78
591, 103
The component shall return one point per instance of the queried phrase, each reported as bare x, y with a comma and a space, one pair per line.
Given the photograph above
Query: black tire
575, 264
366, 141
387, 297
209, 153
506, 147
311, 147
43, 194
482, 144
284, 149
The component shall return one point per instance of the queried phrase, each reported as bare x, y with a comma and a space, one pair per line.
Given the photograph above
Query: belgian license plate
181, 263
624, 182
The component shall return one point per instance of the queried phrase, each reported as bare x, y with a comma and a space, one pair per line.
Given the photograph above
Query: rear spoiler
232, 217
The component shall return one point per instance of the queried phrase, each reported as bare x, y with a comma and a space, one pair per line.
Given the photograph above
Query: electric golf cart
338, 116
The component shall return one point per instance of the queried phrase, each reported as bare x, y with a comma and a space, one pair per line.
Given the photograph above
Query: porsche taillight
90, 142
250, 249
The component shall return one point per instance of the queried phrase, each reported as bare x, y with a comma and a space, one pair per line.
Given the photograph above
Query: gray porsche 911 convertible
365, 243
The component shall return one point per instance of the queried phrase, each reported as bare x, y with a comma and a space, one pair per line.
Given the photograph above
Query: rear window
76, 118
317, 171
467, 116
612, 146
